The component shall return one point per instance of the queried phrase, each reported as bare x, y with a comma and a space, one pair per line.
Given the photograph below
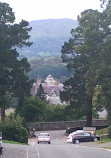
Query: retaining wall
62, 125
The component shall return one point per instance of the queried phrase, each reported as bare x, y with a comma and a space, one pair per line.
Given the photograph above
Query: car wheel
1, 151
38, 142
77, 141
95, 139
48, 142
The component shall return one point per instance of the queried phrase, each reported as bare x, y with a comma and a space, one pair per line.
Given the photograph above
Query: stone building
51, 89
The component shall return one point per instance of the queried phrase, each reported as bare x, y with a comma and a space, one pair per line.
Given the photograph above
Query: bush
13, 130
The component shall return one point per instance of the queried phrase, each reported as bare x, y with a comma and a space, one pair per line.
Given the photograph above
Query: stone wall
62, 125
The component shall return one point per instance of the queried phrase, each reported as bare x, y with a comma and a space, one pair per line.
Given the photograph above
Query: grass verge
102, 131
107, 147
104, 140
12, 142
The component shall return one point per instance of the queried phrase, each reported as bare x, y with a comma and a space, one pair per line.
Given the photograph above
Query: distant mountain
48, 37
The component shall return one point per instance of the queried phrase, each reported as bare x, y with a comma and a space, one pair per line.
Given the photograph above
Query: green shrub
33, 109
102, 130
13, 130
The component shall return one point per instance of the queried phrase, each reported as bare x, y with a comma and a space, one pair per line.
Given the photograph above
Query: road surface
57, 149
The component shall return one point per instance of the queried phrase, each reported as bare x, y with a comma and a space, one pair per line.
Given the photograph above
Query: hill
42, 67
48, 36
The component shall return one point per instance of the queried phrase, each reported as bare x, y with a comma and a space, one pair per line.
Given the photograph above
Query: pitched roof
49, 76
48, 89
50, 80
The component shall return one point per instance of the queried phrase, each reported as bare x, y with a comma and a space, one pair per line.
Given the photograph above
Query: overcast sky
50, 9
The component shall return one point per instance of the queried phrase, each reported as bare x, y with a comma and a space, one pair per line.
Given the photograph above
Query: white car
69, 138
44, 137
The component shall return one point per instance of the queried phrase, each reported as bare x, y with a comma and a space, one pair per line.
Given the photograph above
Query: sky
50, 9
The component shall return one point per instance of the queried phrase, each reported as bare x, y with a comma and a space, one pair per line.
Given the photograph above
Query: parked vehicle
84, 137
44, 137
70, 136
1, 143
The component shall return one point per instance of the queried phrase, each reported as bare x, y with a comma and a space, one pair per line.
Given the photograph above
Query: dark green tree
75, 94
12, 35
20, 81
82, 54
40, 92
33, 109
55, 113
104, 71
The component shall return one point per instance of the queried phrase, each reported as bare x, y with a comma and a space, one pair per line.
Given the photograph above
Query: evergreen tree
81, 54
40, 92
12, 35
89, 51
104, 72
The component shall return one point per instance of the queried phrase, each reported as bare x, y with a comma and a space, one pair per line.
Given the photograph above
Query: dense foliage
33, 109
42, 67
55, 113
88, 53
13, 72
37, 110
13, 129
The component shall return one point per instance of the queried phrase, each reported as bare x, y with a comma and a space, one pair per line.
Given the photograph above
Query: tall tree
104, 74
40, 92
12, 35
81, 54
20, 81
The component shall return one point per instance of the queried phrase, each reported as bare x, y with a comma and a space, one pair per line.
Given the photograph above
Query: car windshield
87, 134
44, 134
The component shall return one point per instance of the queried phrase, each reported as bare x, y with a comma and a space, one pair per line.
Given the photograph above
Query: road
57, 149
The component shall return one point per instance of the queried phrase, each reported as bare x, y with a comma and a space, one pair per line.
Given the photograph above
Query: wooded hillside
48, 36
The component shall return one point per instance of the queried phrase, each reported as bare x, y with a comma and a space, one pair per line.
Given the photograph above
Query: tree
89, 52
20, 81
82, 54
40, 92
12, 35
33, 109
75, 93
104, 71
6, 101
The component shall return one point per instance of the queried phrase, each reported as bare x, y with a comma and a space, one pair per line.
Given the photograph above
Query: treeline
38, 110
42, 67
